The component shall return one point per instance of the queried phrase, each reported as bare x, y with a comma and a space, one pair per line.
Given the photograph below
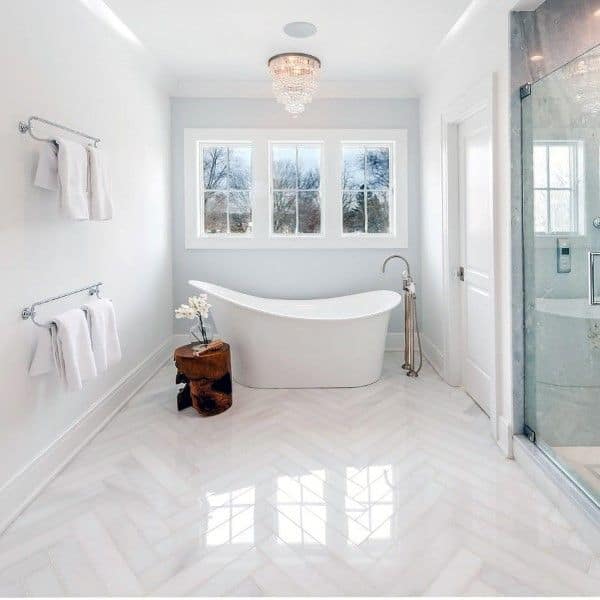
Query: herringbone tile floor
396, 488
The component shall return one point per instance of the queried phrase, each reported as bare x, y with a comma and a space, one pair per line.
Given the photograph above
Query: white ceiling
224, 45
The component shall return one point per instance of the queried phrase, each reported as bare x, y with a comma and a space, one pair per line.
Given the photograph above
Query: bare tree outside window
227, 179
296, 184
366, 191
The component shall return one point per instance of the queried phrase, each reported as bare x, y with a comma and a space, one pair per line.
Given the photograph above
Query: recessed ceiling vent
300, 29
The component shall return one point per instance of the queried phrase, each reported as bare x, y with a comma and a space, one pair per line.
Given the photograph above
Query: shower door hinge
530, 433
460, 273
525, 90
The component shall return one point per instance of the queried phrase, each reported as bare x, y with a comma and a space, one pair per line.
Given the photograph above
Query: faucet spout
385, 262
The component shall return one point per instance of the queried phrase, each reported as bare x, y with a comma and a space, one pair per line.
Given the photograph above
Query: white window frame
331, 235
202, 189
322, 186
576, 189
391, 190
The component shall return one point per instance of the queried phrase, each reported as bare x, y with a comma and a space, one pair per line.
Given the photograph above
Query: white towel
73, 179
75, 359
44, 360
103, 332
99, 186
46, 173
66, 348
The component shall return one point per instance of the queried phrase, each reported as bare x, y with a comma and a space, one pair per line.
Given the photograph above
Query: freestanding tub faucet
411, 325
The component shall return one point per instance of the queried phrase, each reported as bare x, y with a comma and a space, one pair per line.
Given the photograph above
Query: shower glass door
561, 240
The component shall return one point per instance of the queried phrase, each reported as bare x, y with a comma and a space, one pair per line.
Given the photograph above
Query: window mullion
297, 187
548, 212
365, 192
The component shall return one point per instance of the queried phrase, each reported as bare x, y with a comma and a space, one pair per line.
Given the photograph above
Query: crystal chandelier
295, 79
583, 74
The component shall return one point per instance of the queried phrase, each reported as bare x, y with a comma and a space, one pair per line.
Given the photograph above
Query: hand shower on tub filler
411, 324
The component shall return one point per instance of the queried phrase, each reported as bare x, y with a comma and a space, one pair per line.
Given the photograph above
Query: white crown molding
198, 88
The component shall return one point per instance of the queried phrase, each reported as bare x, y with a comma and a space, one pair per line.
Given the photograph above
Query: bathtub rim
213, 289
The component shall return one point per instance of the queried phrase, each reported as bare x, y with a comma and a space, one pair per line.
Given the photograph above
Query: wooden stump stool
207, 378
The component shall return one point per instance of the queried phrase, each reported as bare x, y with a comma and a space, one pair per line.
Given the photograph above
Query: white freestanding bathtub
330, 342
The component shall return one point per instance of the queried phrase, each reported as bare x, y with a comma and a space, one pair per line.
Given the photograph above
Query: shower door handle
592, 277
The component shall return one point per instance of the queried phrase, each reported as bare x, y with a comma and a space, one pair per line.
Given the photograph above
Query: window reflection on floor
231, 517
369, 502
301, 499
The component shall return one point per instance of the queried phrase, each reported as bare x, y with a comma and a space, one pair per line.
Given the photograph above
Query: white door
476, 252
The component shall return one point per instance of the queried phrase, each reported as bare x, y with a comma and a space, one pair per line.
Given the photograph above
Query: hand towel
73, 179
103, 332
99, 186
44, 360
46, 173
73, 349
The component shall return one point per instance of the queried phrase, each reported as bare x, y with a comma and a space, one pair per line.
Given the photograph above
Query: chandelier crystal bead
295, 79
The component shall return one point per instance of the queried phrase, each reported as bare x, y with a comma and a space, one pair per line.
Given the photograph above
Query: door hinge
460, 273
525, 91
530, 433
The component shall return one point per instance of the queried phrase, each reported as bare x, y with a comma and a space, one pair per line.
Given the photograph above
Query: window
296, 189
366, 188
556, 189
227, 182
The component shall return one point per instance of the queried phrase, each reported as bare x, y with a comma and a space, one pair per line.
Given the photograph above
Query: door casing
480, 98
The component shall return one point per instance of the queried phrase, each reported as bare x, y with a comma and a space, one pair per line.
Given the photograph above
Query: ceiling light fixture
295, 79
536, 58
597, 12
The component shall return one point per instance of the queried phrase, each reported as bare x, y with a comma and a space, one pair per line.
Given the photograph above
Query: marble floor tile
392, 489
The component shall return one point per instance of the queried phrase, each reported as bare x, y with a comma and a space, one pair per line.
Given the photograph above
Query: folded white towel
103, 332
75, 359
66, 347
46, 173
99, 186
44, 360
73, 179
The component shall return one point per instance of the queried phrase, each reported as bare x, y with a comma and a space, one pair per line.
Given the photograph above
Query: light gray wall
292, 273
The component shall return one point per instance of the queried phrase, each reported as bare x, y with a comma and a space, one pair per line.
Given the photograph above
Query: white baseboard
505, 437
571, 501
394, 342
23, 487
433, 355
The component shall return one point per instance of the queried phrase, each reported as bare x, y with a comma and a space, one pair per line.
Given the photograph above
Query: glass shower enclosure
561, 264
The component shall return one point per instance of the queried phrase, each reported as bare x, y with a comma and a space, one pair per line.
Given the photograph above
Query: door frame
480, 98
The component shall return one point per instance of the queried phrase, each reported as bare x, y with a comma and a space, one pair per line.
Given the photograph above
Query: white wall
294, 273
60, 62
477, 48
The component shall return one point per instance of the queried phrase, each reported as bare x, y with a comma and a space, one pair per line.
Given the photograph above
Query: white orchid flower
185, 312
197, 306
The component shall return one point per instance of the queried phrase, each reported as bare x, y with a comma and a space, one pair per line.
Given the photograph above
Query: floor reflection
309, 509
371, 489
231, 517
301, 500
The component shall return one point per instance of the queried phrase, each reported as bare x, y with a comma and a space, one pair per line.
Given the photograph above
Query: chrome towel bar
27, 127
29, 311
